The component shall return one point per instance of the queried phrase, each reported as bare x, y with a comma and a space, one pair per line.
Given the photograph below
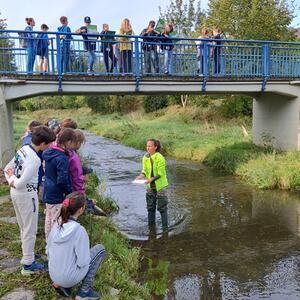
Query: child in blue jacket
57, 177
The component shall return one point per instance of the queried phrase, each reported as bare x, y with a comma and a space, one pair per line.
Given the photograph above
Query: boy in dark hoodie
57, 177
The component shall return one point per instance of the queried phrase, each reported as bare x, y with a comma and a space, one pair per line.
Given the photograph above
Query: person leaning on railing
42, 49
107, 48
31, 44
200, 50
65, 41
167, 46
89, 42
149, 47
125, 47
217, 50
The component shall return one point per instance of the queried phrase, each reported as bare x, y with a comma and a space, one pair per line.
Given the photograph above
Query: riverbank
118, 278
193, 134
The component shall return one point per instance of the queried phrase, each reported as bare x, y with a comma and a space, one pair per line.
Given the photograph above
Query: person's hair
71, 204
44, 26
79, 136
170, 26
125, 26
28, 20
217, 29
66, 123
204, 31
151, 24
42, 134
32, 124
156, 144
105, 25
65, 135
63, 19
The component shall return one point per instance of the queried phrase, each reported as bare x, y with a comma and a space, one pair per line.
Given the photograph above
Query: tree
255, 19
6, 56
185, 15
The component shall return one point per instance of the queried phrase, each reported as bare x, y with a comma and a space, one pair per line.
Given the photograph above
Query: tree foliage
6, 57
185, 15
255, 19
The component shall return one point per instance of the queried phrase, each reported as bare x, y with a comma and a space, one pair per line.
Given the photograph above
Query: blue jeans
92, 59
31, 53
97, 254
151, 59
65, 58
168, 61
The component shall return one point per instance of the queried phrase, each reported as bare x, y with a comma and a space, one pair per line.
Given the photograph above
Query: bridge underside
275, 111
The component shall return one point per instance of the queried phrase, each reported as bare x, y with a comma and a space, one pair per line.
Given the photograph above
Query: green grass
194, 134
119, 270
4, 189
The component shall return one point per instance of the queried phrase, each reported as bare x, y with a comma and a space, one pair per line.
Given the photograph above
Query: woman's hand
141, 176
148, 181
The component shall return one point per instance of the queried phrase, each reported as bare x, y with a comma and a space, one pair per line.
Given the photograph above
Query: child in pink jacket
75, 165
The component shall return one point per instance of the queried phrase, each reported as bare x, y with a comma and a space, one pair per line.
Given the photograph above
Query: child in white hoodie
70, 257
22, 175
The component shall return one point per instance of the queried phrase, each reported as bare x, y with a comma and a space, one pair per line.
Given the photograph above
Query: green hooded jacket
159, 169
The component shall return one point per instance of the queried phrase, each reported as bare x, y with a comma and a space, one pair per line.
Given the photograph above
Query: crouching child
70, 258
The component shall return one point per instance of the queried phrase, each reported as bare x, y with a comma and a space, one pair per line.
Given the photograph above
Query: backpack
23, 39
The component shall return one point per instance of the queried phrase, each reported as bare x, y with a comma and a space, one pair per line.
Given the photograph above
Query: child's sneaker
65, 292
32, 269
89, 295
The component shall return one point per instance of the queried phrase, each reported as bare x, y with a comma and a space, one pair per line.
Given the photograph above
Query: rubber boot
151, 218
164, 220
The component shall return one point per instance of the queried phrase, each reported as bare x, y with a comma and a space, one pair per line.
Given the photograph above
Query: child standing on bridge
65, 41
22, 176
154, 170
31, 44
167, 46
42, 49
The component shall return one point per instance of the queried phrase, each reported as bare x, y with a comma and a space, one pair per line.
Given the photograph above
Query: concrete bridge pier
6, 129
276, 121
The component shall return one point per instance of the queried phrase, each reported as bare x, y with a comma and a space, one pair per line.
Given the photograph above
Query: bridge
268, 71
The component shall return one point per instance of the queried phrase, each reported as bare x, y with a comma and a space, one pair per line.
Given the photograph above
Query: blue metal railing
70, 54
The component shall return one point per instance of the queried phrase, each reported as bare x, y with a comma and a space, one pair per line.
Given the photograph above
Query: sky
101, 11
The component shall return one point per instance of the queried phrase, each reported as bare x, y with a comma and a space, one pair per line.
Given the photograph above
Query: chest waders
157, 198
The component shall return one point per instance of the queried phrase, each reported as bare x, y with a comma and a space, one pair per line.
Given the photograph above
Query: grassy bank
120, 268
194, 134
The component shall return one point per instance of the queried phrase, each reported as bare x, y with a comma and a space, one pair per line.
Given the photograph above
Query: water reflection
227, 241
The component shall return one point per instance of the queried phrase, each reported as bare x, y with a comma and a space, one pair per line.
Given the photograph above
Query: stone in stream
19, 294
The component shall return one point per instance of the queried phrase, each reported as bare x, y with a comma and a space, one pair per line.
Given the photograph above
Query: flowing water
226, 239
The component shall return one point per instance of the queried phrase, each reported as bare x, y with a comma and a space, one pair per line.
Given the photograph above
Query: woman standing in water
154, 170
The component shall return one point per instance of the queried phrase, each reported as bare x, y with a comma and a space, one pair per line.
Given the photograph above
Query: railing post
205, 64
52, 57
58, 62
266, 65
137, 64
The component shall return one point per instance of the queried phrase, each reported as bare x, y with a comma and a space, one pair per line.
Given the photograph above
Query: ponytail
71, 205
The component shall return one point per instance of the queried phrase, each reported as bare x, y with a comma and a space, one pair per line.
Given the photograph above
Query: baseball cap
87, 20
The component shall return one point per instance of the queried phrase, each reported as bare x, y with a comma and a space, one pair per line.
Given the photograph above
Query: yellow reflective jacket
159, 168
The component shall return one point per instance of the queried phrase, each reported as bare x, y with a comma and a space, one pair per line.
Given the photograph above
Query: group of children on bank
117, 50
48, 163
70, 259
